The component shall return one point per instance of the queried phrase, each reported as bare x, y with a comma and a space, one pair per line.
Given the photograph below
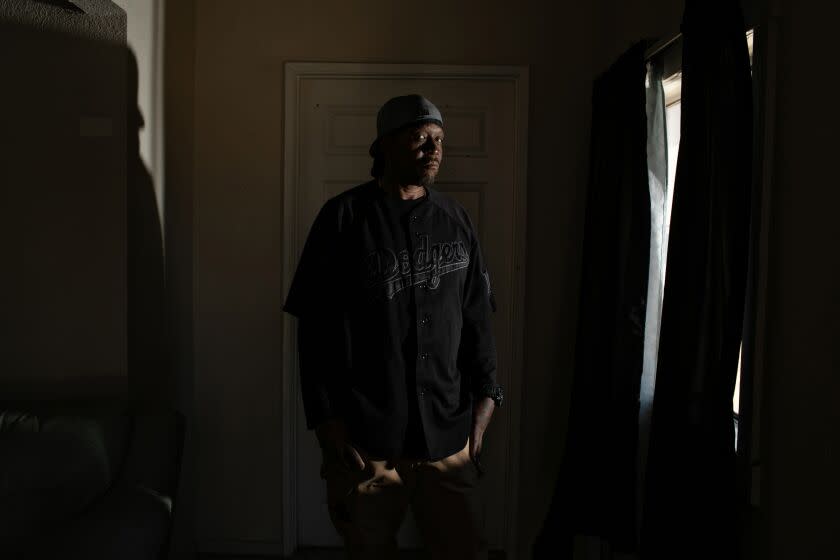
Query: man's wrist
330, 429
491, 391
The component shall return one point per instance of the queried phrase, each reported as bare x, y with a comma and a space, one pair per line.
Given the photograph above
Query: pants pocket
341, 483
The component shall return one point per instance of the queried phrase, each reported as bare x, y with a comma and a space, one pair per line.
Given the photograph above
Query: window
661, 213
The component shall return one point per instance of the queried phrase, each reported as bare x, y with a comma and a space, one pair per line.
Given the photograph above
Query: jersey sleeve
313, 289
477, 352
314, 298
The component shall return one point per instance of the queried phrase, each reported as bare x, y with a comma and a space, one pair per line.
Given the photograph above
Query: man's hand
332, 435
482, 412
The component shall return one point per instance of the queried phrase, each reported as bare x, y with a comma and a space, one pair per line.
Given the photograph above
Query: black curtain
596, 489
690, 506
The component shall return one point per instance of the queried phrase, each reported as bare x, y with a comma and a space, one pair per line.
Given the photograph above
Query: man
397, 358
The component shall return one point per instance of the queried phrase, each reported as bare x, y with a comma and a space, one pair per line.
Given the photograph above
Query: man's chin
423, 179
427, 177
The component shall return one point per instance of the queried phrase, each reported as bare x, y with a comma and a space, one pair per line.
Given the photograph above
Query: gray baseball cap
402, 111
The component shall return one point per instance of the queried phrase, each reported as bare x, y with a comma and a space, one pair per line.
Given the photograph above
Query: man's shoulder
343, 205
353, 194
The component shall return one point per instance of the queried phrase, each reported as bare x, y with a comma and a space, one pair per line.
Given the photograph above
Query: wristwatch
495, 392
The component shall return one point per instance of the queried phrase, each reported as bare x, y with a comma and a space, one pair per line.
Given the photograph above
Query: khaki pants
368, 506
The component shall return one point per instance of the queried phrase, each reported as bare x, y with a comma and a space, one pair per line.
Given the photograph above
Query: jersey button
424, 356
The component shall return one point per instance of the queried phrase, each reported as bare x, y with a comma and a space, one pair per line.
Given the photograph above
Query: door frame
296, 73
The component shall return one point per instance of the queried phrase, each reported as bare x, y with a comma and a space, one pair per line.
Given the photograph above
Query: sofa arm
153, 459
129, 523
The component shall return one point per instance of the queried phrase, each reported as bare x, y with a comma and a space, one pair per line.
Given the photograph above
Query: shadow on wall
83, 283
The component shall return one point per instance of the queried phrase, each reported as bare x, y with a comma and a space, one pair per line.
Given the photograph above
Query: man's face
413, 155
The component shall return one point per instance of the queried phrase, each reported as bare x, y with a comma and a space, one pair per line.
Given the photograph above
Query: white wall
145, 38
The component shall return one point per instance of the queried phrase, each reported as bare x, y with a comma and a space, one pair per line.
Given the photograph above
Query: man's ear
386, 145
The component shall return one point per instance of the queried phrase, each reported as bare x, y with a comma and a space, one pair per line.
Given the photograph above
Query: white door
332, 121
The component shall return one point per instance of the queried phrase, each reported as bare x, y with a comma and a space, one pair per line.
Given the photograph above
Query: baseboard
240, 547
274, 549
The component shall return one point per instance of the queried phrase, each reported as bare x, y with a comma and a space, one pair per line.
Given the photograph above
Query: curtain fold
596, 489
660, 189
690, 506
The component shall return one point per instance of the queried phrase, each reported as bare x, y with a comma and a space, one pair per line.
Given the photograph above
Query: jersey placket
418, 227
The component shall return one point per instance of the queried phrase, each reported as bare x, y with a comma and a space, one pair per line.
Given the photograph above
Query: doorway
330, 122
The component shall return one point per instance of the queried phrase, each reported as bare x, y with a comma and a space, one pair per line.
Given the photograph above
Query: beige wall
623, 23
237, 207
179, 145
801, 421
